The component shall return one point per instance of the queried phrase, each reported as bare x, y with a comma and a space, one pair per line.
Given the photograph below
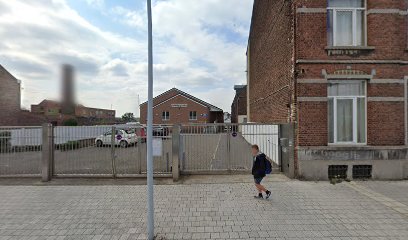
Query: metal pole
46, 152
150, 201
175, 138
113, 145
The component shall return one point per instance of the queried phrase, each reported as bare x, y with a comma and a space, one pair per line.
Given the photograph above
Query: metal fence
226, 147
20, 151
76, 153
120, 151
107, 151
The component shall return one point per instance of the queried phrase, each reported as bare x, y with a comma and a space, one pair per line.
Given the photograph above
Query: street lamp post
150, 201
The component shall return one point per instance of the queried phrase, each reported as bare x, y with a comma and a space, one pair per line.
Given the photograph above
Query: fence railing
226, 147
120, 151
20, 151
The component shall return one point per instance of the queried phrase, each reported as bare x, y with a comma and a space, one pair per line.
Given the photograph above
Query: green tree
71, 122
128, 117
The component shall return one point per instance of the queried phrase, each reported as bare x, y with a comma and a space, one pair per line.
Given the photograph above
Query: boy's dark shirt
258, 167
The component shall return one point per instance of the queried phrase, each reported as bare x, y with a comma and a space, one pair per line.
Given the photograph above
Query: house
52, 110
338, 71
177, 107
10, 94
239, 105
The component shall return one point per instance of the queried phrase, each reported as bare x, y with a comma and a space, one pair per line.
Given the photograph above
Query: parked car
160, 131
123, 138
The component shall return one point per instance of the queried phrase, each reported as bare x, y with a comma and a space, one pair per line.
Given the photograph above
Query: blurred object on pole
68, 90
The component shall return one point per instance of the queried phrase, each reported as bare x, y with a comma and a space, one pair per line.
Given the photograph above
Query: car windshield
129, 131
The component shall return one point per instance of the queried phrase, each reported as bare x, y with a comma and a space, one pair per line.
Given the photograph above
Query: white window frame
193, 119
353, 10
355, 114
165, 117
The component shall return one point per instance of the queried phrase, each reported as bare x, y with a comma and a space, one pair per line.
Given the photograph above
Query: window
347, 112
346, 22
362, 171
193, 115
337, 171
166, 116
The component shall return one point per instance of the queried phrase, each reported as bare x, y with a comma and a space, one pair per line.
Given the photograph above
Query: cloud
99, 4
199, 47
3, 8
128, 17
116, 67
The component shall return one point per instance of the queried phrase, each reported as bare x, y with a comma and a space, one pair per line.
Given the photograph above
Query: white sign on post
157, 147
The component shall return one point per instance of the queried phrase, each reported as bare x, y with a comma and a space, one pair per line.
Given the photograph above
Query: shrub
71, 122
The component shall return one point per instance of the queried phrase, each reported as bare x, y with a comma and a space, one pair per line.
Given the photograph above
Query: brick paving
205, 208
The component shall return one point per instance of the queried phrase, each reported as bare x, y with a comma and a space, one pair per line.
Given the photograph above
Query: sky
199, 47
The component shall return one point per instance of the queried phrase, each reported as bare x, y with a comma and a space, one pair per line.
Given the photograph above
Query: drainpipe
406, 108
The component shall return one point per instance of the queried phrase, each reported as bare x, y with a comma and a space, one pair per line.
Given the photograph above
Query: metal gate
211, 148
95, 151
118, 151
20, 151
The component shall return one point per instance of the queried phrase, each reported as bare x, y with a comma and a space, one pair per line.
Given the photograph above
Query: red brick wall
9, 98
312, 124
81, 111
239, 105
385, 123
177, 115
384, 119
271, 61
158, 99
388, 34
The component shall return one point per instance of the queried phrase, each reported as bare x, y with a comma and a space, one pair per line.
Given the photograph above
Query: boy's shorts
258, 180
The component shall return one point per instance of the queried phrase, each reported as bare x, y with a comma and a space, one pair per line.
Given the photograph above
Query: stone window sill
367, 48
348, 50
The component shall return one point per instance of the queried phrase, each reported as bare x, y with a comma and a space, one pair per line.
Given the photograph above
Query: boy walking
259, 171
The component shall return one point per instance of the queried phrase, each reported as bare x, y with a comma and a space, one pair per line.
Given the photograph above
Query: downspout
293, 96
406, 108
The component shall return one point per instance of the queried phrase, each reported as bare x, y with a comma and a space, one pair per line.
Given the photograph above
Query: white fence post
113, 155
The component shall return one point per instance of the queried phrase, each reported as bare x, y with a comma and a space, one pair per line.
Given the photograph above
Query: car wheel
123, 144
99, 143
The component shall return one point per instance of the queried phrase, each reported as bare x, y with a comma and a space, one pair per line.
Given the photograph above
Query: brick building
177, 107
10, 95
337, 69
239, 105
52, 110
11, 113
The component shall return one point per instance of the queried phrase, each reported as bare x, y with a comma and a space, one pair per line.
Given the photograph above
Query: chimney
68, 98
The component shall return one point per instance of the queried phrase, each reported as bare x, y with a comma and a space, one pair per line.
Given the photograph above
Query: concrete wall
406, 170
387, 162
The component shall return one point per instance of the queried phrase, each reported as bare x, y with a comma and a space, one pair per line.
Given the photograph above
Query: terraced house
338, 70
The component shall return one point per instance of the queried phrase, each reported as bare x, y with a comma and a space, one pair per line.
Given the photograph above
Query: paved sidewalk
212, 207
